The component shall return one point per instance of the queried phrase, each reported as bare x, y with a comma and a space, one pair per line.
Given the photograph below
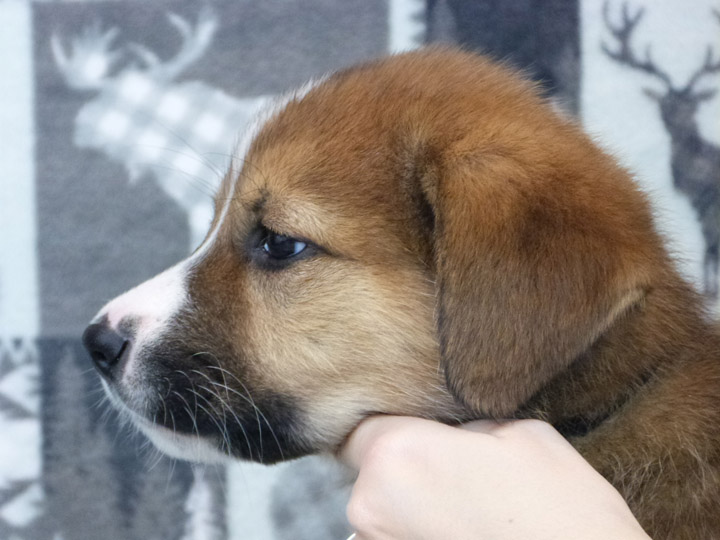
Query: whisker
203, 185
223, 431
237, 420
193, 418
158, 457
255, 408
174, 461
100, 401
192, 386
183, 140
251, 401
198, 182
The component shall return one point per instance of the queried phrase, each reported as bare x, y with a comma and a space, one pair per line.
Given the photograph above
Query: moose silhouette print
180, 133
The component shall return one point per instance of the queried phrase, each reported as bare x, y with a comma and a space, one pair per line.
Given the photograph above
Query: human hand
422, 480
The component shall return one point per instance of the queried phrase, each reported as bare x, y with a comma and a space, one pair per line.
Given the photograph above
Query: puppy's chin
172, 443
180, 446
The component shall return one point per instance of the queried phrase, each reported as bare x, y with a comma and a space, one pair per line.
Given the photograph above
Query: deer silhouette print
695, 162
143, 115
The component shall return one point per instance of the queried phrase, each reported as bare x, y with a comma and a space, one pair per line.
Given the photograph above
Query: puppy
423, 235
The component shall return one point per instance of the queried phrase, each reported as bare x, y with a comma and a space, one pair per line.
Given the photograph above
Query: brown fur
556, 298
469, 239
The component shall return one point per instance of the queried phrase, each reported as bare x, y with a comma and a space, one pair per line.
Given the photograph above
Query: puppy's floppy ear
528, 278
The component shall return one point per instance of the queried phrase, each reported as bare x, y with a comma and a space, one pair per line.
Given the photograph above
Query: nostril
105, 346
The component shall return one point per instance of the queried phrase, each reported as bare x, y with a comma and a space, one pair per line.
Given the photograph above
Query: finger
482, 426
364, 436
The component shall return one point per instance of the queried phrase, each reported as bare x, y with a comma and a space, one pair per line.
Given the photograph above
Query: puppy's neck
666, 336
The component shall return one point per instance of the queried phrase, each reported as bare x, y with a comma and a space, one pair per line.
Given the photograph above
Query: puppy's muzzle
107, 348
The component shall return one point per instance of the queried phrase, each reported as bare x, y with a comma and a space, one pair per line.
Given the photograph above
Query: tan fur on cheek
347, 342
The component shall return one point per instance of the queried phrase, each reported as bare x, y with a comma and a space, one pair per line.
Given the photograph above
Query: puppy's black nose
105, 346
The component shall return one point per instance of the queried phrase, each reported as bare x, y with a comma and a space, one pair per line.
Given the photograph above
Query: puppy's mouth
174, 443
194, 422
190, 406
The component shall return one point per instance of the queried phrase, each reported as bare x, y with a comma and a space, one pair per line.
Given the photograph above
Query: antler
625, 55
709, 66
90, 59
195, 42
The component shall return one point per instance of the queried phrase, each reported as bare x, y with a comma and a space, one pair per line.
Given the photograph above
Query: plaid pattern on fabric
181, 134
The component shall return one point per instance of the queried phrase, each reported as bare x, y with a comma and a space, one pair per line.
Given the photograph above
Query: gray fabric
99, 234
128, 139
539, 36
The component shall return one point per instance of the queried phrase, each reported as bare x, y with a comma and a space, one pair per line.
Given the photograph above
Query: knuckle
523, 428
535, 428
387, 449
533, 424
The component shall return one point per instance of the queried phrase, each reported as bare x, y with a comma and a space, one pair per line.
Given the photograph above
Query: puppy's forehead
336, 160
311, 188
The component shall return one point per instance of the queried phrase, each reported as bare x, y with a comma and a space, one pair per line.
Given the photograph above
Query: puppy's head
420, 235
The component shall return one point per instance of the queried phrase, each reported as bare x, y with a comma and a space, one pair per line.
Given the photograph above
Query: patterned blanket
116, 121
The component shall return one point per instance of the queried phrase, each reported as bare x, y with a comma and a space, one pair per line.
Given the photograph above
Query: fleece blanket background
116, 121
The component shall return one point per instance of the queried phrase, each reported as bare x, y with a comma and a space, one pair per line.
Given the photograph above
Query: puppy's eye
280, 247
274, 251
